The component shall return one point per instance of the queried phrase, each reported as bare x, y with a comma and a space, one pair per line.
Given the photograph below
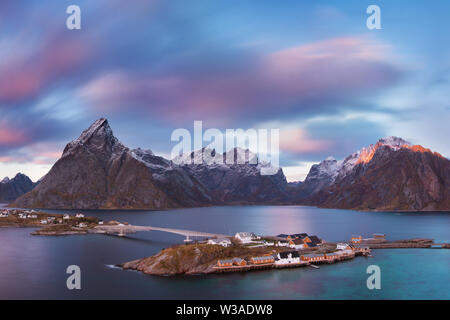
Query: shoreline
6, 205
51, 224
193, 259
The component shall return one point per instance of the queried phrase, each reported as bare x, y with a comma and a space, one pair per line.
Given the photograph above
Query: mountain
96, 171
390, 175
240, 181
11, 189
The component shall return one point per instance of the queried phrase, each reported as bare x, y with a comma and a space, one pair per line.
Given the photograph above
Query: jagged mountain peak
5, 180
204, 155
393, 142
99, 135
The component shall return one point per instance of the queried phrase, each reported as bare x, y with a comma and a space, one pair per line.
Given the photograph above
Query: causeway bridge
123, 229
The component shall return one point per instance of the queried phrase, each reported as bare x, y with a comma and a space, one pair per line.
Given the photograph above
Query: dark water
34, 267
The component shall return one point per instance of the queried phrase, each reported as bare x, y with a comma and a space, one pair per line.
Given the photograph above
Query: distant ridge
11, 189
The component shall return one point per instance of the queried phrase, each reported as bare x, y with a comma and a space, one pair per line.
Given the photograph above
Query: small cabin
331, 256
239, 262
312, 257
225, 263
262, 260
356, 239
379, 236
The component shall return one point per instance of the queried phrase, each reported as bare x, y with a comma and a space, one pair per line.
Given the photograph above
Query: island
246, 251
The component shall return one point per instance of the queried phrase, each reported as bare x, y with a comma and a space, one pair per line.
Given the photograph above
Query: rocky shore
193, 258
202, 258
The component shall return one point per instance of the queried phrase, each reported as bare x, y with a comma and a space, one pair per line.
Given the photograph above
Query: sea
35, 267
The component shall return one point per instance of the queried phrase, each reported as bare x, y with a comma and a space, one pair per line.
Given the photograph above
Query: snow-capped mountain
96, 171
236, 178
389, 175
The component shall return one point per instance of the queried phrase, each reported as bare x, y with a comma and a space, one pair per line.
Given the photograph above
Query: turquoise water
34, 267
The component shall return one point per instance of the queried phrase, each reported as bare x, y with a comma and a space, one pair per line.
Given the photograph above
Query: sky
311, 69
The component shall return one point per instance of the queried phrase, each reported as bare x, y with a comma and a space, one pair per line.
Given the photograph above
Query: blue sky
310, 68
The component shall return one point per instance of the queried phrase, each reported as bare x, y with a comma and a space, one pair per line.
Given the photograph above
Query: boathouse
331, 256
225, 263
262, 260
239, 262
313, 257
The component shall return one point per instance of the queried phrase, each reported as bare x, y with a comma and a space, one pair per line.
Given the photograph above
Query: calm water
34, 267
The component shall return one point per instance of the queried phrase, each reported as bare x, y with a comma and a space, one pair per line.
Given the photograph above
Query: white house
79, 215
245, 237
296, 244
33, 216
342, 246
66, 217
82, 225
3, 215
43, 221
287, 258
100, 221
282, 243
224, 242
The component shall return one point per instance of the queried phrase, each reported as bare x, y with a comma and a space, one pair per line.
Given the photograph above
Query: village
298, 250
37, 218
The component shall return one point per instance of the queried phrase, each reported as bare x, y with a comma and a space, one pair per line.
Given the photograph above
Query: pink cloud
297, 141
303, 78
10, 136
23, 76
36, 153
